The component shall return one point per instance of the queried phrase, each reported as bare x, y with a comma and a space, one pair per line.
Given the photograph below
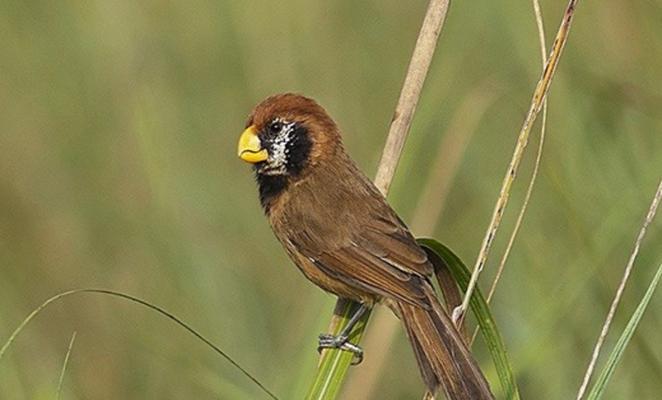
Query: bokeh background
118, 129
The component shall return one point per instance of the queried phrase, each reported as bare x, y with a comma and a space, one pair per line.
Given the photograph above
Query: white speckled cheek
279, 149
279, 152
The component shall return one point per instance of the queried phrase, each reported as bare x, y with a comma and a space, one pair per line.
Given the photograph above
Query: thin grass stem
539, 95
619, 291
65, 363
536, 167
142, 302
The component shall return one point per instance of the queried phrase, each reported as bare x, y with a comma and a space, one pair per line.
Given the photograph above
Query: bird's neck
270, 187
273, 188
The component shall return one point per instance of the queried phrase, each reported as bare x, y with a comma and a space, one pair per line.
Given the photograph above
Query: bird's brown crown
305, 111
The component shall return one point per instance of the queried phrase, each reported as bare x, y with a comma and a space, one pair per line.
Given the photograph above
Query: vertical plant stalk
619, 291
539, 95
411, 92
334, 363
536, 167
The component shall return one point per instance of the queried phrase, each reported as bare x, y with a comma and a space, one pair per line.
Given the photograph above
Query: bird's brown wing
378, 257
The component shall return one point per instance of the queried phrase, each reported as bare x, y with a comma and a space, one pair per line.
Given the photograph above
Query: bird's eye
275, 127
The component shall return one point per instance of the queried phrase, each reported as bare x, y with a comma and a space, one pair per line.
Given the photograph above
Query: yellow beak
250, 149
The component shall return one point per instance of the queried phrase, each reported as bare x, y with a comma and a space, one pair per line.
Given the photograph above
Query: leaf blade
485, 320
600, 385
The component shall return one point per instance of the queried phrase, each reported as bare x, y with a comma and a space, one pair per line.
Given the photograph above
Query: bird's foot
329, 341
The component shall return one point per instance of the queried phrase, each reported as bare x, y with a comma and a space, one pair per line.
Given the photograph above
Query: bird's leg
341, 341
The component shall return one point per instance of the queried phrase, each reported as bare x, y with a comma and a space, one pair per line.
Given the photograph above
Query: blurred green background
118, 129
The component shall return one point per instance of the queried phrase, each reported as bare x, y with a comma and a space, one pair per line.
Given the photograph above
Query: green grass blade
144, 303
483, 315
599, 387
335, 363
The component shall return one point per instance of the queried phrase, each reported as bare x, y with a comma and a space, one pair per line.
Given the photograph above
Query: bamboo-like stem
539, 95
619, 291
334, 362
411, 92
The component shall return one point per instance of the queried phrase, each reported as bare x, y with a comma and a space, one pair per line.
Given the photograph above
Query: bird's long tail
443, 357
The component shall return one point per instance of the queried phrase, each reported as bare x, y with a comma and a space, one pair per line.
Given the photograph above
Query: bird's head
287, 134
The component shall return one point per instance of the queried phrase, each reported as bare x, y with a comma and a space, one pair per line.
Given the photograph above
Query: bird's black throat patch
270, 186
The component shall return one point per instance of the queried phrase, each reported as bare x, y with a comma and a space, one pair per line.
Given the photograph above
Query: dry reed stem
534, 174
411, 92
619, 291
539, 95
536, 166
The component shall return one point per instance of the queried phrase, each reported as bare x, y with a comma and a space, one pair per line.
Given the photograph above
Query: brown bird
338, 229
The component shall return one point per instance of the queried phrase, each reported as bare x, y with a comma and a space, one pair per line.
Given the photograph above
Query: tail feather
443, 357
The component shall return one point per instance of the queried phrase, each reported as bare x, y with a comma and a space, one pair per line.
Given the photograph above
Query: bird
341, 233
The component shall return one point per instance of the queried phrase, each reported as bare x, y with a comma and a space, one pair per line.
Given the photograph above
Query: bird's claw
329, 341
